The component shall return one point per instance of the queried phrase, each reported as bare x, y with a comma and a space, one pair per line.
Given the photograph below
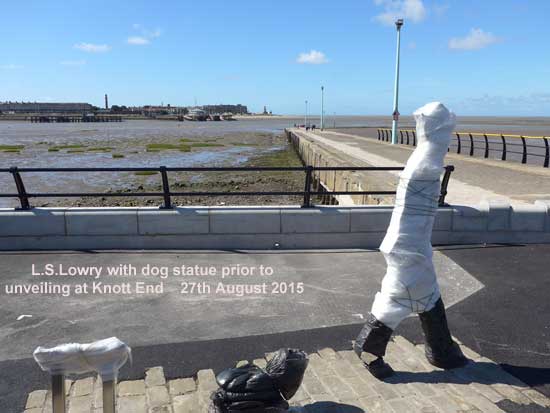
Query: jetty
54, 118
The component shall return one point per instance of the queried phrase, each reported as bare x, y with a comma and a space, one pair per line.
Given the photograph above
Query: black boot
441, 351
373, 340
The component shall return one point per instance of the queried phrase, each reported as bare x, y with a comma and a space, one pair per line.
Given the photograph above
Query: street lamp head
399, 23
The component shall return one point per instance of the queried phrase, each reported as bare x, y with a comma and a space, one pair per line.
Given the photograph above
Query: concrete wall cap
180, 220
316, 220
528, 217
121, 221
498, 214
33, 222
245, 221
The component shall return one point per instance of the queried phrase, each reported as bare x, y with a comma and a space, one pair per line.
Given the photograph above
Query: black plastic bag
250, 389
287, 369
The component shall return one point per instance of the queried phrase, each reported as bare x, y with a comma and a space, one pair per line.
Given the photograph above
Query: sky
487, 57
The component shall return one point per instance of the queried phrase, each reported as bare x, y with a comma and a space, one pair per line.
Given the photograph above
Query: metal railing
24, 196
470, 142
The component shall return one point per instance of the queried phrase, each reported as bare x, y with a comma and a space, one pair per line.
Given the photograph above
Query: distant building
41, 107
236, 109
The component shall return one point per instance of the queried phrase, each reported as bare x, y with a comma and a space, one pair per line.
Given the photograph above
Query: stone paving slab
335, 382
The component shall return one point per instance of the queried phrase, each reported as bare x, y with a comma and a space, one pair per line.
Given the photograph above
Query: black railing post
22, 193
458, 145
165, 189
414, 138
524, 156
307, 187
407, 132
445, 184
378, 134
471, 145
547, 153
503, 147
401, 134
486, 155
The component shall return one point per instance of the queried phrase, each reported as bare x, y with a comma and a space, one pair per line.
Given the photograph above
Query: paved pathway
335, 382
474, 179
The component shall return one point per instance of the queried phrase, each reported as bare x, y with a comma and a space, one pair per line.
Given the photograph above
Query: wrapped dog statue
410, 284
250, 389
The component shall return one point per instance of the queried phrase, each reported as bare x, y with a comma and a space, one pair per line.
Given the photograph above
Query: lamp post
395, 115
322, 108
305, 117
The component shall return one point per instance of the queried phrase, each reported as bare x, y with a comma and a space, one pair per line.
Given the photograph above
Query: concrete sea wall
315, 155
259, 227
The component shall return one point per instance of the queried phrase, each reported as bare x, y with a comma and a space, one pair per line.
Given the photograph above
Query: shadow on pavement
475, 372
512, 407
327, 407
538, 376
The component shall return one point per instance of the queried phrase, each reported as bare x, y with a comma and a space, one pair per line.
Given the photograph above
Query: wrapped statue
410, 283
251, 389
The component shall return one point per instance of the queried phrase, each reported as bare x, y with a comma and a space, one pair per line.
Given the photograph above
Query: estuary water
128, 144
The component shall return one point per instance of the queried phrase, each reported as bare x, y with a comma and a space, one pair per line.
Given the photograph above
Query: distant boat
227, 116
196, 114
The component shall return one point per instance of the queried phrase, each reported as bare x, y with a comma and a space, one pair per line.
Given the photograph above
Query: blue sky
487, 57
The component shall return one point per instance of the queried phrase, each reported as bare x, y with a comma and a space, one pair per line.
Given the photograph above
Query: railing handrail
166, 193
498, 135
210, 169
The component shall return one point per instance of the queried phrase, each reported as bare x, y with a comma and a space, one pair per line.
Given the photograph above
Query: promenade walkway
474, 179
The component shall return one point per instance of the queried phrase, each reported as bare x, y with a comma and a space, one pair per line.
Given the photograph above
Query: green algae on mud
11, 148
205, 145
72, 146
156, 147
222, 182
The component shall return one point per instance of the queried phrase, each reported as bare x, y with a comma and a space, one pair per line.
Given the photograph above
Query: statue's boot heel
373, 340
441, 351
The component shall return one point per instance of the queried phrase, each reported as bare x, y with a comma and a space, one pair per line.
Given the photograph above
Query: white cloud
409, 10
145, 37
81, 62
92, 48
11, 66
476, 39
153, 34
138, 40
314, 57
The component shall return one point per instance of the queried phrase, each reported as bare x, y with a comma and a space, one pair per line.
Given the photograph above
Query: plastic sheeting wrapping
410, 284
287, 368
252, 389
104, 356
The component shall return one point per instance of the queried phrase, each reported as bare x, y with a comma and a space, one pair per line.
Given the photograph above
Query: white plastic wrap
410, 283
104, 356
